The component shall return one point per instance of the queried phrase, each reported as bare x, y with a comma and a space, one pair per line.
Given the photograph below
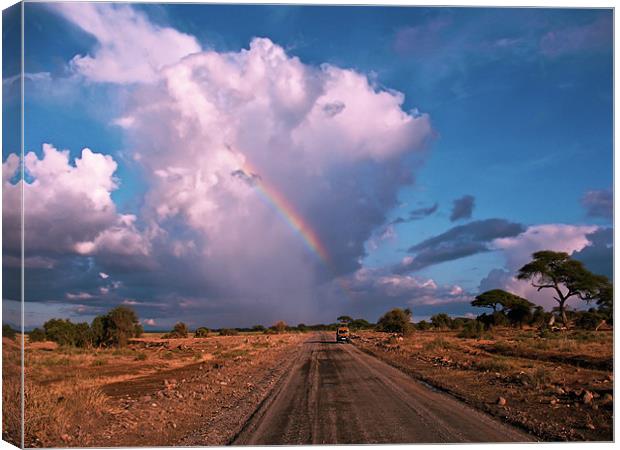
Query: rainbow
286, 210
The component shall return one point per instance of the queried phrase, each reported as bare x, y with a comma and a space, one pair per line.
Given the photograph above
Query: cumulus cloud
599, 203
66, 206
462, 208
374, 290
582, 242
235, 144
459, 242
130, 49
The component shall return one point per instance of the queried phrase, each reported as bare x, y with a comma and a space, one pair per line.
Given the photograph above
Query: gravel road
335, 394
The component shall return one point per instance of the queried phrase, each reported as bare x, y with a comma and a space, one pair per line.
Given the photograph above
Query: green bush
228, 332
201, 332
395, 321
179, 331
423, 325
36, 335
441, 321
8, 332
589, 320
472, 330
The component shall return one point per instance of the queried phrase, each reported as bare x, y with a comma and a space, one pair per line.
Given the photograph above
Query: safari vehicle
342, 334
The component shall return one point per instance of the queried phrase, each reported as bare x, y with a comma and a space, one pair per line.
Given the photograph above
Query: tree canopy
499, 297
395, 321
567, 277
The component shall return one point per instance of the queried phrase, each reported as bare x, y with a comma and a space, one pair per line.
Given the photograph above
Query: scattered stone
607, 398
147, 398
558, 390
223, 383
65, 437
587, 397
501, 401
590, 426
553, 401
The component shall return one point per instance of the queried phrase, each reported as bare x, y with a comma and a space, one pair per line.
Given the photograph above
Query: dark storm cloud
416, 214
599, 203
333, 109
462, 208
459, 242
250, 179
599, 256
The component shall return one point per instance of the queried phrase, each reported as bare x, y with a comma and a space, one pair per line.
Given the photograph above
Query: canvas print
306, 224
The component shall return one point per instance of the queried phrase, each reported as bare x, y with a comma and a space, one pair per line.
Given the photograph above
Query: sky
239, 165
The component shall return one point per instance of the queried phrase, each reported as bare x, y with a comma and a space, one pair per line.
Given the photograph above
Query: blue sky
520, 105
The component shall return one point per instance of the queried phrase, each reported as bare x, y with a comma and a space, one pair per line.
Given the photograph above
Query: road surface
336, 394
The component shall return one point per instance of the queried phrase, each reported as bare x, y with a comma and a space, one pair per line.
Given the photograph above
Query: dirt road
335, 394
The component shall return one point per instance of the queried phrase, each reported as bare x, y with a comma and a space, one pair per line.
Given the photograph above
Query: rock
147, 398
558, 390
65, 437
607, 398
553, 401
501, 401
587, 397
223, 383
590, 426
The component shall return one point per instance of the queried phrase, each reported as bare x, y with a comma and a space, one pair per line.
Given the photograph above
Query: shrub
589, 320
61, 331
395, 321
472, 330
120, 324
36, 335
141, 357
280, 326
201, 332
179, 331
423, 325
8, 332
258, 328
228, 332
441, 320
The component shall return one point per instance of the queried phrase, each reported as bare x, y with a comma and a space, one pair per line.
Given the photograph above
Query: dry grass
65, 399
11, 391
543, 377
52, 412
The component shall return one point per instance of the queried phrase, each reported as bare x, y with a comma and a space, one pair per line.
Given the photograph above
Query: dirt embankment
545, 386
179, 392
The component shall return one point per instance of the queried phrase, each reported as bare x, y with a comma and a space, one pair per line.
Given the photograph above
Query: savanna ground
170, 392
558, 387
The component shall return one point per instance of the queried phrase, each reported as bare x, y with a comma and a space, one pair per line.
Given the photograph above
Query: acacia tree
497, 297
567, 277
515, 308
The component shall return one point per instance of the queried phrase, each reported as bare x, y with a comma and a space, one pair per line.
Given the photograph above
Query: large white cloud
130, 48
518, 251
227, 138
235, 147
68, 208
